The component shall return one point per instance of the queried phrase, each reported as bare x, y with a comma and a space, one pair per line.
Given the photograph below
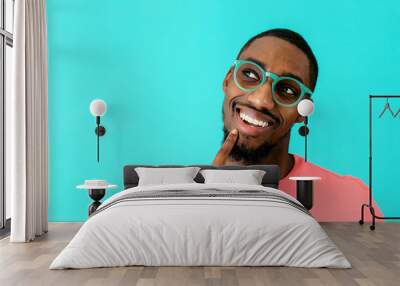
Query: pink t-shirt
336, 197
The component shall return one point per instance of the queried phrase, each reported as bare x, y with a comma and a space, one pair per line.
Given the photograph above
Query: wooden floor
375, 257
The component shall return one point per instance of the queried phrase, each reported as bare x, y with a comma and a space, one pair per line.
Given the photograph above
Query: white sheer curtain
26, 124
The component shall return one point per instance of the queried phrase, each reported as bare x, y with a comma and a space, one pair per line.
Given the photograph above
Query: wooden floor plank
374, 255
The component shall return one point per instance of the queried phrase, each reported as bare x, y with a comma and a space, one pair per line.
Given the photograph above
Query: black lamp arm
100, 131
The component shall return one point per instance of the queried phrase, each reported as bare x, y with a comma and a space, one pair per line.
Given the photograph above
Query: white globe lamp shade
305, 107
98, 107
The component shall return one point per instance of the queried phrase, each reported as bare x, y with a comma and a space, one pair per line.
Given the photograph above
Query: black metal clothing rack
369, 205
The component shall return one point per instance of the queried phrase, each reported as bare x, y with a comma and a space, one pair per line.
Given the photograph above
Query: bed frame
270, 179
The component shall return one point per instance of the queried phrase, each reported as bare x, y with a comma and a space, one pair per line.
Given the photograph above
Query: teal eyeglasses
287, 91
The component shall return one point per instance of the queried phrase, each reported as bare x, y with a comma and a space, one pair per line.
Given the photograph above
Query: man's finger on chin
231, 139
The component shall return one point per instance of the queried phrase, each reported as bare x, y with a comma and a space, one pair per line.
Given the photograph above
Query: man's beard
247, 155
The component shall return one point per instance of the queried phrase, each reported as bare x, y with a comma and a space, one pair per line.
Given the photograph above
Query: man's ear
227, 78
299, 119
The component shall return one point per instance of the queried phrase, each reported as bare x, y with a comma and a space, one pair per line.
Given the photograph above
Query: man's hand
226, 148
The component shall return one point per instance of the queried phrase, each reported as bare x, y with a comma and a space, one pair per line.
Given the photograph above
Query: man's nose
262, 97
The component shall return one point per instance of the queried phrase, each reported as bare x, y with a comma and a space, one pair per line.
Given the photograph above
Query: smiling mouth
251, 120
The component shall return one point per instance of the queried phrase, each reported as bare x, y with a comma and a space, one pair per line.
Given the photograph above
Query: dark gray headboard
270, 179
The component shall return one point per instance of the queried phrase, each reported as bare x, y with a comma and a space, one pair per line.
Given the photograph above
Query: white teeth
251, 120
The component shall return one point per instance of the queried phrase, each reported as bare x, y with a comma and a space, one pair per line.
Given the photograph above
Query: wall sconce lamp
305, 108
98, 108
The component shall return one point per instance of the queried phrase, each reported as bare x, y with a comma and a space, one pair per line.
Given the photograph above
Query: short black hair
295, 39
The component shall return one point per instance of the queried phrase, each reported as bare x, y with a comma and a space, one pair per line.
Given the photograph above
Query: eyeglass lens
286, 90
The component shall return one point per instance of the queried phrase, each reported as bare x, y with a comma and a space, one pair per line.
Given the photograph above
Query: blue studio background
159, 65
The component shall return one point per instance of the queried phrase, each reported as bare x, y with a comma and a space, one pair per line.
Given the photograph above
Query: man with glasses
272, 73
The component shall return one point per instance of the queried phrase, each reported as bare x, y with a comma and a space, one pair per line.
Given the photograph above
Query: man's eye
287, 91
250, 74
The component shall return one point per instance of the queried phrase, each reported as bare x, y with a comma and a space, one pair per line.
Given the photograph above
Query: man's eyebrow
283, 74
256, 61
293, 76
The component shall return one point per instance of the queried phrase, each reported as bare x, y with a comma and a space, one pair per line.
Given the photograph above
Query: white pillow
249, 177
162, 176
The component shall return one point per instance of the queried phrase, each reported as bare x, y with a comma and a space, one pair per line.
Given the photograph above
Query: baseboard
5, 231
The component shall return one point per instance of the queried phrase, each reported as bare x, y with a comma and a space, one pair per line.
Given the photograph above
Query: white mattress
189, 231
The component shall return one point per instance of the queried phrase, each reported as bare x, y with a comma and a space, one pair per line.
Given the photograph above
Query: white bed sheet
200, 232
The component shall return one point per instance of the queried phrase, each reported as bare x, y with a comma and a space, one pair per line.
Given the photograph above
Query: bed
201, 224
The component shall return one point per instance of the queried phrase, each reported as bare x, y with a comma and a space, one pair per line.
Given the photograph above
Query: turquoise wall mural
159, 65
